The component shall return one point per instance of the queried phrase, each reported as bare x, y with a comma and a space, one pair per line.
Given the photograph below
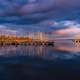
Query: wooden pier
76, 42
28, 43
13, 40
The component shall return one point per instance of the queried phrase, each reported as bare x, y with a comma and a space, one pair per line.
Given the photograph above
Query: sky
57, 17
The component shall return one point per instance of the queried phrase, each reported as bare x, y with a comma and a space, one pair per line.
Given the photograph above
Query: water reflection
37, 51
39, 62
60, 51
73, 49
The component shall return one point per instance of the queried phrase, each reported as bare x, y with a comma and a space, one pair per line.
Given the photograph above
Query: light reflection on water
60, 51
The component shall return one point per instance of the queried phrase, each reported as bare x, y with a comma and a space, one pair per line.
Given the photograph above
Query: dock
28, 43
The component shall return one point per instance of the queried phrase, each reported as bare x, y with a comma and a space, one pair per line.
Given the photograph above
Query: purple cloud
36, 9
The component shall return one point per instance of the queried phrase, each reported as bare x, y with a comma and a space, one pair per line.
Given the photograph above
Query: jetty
25, 41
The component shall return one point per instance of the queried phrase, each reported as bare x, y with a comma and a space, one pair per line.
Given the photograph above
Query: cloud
20, 30
32, 8
32, 11
2, 27
35, 15
68, 29
8, 31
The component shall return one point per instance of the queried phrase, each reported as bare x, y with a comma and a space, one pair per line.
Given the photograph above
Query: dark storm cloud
21, 7
36, 10
18, 16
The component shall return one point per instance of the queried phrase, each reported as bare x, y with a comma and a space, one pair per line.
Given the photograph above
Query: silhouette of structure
38, 39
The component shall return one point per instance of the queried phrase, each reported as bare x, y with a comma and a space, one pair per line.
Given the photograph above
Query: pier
28, 43
76, 42
25, 41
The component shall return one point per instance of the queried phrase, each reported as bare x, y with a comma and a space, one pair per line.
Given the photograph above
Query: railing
27, 43
76, 42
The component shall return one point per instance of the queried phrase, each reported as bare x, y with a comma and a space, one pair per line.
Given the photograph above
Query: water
59, 62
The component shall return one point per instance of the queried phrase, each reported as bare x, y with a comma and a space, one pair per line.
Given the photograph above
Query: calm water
59, 62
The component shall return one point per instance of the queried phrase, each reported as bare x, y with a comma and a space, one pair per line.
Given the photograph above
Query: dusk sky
60, 17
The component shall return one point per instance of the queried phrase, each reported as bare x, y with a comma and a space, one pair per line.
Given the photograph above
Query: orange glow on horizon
68, 31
